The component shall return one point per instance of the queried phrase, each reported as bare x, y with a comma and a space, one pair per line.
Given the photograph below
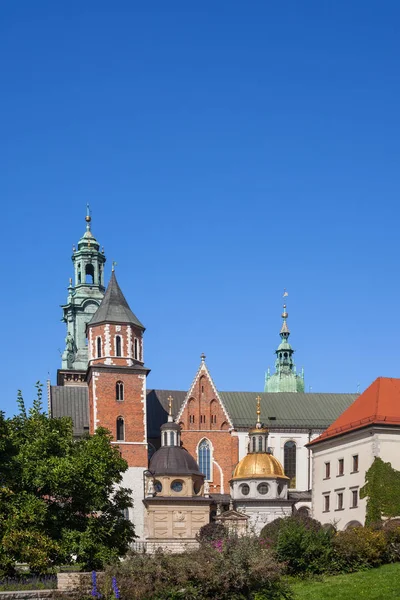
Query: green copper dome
285, 378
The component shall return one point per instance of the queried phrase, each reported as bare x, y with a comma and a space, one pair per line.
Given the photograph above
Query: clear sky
228, 150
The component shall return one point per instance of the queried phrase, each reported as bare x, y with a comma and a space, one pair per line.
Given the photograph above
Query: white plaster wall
261, 515
133, 479
361, 443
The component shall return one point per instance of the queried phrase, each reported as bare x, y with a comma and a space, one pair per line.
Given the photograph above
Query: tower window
118, 345
119, 391
120, 429
253, 440
165, 438
89, 273
171, 438
98, 347
135, 350
289, 453
260, 443
205, 458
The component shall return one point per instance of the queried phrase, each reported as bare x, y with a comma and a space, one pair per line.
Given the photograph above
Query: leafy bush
358, 548
301, 542
241, 568
392, 537
212, 532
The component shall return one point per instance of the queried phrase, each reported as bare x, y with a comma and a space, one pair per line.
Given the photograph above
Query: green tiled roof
294, 410
290, 409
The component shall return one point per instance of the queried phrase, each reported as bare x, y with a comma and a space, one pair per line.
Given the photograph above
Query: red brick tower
117, 386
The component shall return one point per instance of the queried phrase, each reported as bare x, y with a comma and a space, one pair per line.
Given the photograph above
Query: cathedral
194, 454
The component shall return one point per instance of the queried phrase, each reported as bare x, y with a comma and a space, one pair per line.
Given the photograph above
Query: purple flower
115, 588
95, 593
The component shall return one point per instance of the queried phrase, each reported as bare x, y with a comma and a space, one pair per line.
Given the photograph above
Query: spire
114, 307
170, 417
85, 293
285, 378
258, 411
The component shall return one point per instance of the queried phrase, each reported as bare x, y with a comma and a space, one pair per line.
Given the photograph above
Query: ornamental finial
114, 264
258, 411
88, 218
203, 357
170, 399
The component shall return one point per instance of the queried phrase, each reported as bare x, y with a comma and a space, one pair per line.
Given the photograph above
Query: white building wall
133, 479
366, 444
276, 441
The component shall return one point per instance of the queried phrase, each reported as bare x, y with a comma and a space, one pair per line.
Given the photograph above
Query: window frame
119, 391
120, 420
340, 469
356, 465
204, 455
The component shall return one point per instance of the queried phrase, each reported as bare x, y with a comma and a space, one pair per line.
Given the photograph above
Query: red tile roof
379, 404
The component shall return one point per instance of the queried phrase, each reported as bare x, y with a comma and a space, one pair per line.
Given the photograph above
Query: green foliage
382, 490
212, 532
302, 543
58, 500
358, 548
241, 569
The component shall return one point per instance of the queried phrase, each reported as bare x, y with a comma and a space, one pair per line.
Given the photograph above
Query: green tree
60, 498
382, 490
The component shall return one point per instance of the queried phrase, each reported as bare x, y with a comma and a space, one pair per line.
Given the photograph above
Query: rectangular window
327, 470
354, 498
341, 466
326, 503
355, 463
340, 501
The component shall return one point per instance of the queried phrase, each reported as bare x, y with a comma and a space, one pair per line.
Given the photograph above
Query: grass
376, 584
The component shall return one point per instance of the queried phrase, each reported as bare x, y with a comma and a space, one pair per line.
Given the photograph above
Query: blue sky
228, 150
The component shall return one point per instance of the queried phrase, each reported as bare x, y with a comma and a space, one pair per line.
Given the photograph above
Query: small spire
88, 218
203, 357
170, 399
258, 411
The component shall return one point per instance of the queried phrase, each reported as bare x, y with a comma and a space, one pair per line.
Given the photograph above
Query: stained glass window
289, 453
205, 458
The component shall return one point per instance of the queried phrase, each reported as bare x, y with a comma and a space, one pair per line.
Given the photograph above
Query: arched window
120, 429
118, 345
119, 391
89, 273
165, 438
289, 462
135, 351
98, 347
260, 443
205, 458
253, 440
171, 438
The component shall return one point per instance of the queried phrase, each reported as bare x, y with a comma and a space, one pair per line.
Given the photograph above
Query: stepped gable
378, 405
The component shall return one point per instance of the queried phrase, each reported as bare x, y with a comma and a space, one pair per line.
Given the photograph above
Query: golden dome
259, 465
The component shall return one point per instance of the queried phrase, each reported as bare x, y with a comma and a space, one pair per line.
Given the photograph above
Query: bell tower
85, 292
116, 380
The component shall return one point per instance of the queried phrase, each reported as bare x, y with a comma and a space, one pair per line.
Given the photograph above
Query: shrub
301, 542
392, 537
358, 548
241, 568
211, 532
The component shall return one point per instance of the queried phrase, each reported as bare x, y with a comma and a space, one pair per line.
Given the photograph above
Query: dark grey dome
173, 460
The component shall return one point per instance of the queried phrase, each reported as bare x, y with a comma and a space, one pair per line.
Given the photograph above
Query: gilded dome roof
258, 465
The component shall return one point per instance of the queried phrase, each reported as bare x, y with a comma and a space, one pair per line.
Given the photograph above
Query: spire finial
203, 357
170, 399
114, 264
88, 218
258, 411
